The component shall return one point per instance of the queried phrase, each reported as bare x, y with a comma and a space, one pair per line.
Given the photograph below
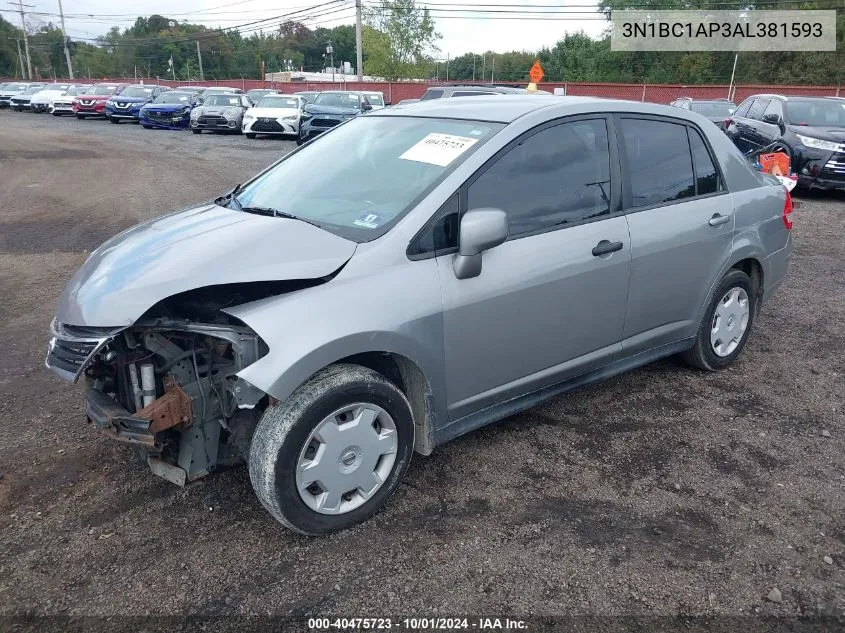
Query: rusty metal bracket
172, 409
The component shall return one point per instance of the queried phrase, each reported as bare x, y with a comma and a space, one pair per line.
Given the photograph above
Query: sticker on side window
439, 149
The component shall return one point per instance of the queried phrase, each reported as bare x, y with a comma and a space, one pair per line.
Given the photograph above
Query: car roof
791, 97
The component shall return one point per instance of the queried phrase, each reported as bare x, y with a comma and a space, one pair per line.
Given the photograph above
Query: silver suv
468, 261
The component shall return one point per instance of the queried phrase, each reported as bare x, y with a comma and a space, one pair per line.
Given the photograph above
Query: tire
249, 135
80, 116
146, 127
283, 438
197, 131
57, 114
113, 120
703, 353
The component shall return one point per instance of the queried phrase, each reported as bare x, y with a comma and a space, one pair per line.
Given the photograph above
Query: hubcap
730, 321
346, 459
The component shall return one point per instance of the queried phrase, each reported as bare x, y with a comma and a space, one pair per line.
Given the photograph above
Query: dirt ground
662, 492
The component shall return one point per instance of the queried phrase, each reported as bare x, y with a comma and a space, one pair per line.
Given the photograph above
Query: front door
544, 307
681, 222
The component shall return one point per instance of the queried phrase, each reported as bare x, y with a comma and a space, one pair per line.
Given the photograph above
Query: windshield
173, 97
376, 99
33, 90
74, 91
223, 100
822, 113
212, 91
137, 91
15, 88
308, 96
278, 102
362, 176
101, 90
714, 108
337, 100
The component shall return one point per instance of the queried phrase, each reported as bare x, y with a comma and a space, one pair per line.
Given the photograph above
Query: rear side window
742, 110
558, 176
431, 94
659, 161
706, 176
757, 109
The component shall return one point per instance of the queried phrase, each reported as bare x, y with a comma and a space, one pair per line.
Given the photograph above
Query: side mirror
481, 230
366, 107
774, 119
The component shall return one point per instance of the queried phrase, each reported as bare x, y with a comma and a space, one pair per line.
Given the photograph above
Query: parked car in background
63, 103
507, 250
20, 101
308, 95
220, 113
92, 102
717, 110
192, 89
41, 100
329, 109
472, 90
170, 111
408, 101
220, 90
127, 105
376, 99
274, 114
256, 93
811, 130
12, 89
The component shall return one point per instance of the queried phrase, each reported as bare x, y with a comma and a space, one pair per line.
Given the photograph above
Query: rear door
755, 131
681, 221
770, 132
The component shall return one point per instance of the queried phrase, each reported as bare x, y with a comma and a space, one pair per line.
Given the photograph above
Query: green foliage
405, 36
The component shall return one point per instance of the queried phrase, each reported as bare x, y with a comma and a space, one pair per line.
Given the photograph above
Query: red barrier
396, 91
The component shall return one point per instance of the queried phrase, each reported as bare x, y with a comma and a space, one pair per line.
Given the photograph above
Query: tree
407, 37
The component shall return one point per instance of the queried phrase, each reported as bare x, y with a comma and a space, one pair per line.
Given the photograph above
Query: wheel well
754, 270
405, 374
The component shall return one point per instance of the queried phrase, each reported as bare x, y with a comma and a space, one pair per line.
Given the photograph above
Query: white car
43, 99
274, 114
376, 99
63, 104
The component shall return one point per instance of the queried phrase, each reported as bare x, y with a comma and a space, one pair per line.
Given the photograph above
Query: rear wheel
331, 455
726, 324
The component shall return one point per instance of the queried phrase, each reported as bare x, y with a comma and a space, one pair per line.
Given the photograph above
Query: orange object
776, 163
536, 72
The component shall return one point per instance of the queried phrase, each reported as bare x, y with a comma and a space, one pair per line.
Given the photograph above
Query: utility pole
493, 72
473, 67
21, 5
20, 57
64, 41
359, 51
199, 58
447, 66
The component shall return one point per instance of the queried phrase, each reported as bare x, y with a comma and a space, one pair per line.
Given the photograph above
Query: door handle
606, 248
719, 219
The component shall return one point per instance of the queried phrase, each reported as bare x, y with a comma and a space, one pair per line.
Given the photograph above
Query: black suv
811, 130
717, 110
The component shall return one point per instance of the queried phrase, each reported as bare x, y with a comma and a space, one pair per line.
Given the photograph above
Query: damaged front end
169, 387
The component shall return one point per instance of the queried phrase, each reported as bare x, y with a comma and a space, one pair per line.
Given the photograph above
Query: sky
460, 35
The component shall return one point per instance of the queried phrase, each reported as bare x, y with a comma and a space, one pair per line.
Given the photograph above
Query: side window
706, 176
742, 110
659, 162
757, 109
431, 94
470, 93
774, 107
557, 176
441, 233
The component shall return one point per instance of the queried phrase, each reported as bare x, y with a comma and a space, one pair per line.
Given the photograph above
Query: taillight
788, 208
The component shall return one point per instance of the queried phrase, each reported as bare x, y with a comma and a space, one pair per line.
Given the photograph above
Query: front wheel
197, 131
726, 325
249, 135
331, 455
146, 127
114, 120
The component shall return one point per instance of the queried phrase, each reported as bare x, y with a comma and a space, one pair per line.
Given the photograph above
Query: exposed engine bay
169, 388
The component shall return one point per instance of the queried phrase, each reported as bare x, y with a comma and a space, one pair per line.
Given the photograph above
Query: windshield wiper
225, 199
273, 213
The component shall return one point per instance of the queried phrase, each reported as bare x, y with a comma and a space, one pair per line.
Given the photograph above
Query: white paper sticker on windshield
439, 149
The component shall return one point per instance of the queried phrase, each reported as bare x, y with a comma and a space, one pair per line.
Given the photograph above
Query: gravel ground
662, 492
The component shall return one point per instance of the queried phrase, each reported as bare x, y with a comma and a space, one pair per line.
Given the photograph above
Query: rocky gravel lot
664, 493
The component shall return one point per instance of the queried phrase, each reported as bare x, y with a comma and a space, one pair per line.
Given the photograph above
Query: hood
202, 246
11, 93
93, 97
825, 133
130, 99
272, 113
166, 107
318, 109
